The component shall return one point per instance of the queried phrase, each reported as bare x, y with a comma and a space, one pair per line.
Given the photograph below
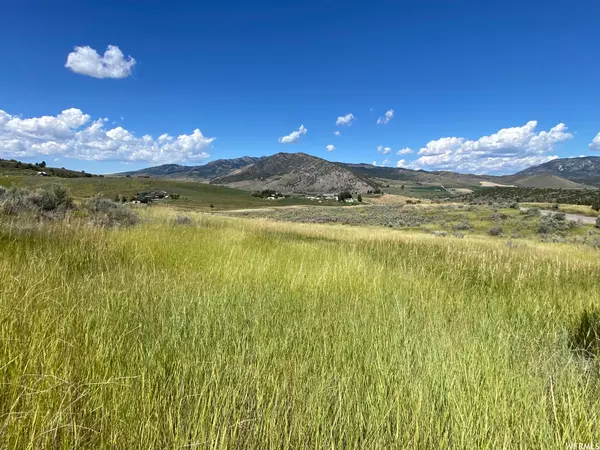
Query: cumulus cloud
70, 134
294, 136
509, 149
385, 162
401, 163
330, 147
595, 145
384, 150
87, 61
389, 115
345, 120
404, 151
337, 132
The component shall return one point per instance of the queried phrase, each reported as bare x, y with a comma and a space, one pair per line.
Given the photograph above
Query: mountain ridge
300, 172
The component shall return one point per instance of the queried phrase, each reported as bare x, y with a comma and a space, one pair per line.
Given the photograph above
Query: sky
469, 86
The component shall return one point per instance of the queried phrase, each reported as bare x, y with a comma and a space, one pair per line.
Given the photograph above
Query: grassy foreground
233, 333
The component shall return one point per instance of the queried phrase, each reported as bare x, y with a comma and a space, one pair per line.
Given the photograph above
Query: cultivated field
213, 332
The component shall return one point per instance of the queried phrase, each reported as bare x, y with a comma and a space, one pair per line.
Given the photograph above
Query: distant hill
584, 170
205, 172
546, 180
13, 167
299, 172
296, 172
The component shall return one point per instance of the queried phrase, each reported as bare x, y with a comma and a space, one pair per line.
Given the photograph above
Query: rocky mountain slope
584, 170
296, 172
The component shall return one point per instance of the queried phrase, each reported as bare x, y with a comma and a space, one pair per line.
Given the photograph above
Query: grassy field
584, 210
246, 333
194, 195
446, 218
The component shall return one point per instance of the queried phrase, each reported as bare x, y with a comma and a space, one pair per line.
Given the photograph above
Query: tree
402, 187
596, 205
43, 164
117, 198
342, 196
360, 198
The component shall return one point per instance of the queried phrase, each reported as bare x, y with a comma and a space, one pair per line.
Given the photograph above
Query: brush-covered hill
204, 172
584, 170
296, 172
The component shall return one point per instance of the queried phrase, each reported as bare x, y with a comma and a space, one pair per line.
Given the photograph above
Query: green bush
496, 231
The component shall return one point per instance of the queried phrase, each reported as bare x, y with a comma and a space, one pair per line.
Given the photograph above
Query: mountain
584, 170
299, 172
296, 172
204, 172
385, 174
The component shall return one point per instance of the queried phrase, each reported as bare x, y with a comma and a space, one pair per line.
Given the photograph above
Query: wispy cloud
294, 136
389, 115
345, 120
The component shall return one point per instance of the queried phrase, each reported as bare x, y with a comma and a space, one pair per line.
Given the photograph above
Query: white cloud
337, 132
70, 134
385, 162
374, 163
389, 115
293, 137
595, 145
330, 147
345, 120
509, 149
404, 151
87, 61
384, 150
401, 163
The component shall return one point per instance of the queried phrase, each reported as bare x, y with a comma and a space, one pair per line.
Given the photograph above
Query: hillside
546, 180
11, 167
296, 172
299, 172
204, 172
584, 170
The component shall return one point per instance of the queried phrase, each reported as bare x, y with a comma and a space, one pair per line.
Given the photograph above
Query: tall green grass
232, 333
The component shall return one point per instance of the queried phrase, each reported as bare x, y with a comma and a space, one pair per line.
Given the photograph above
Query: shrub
531, 212
106, 213
598, 222
359, 198
496, 217
182, 220
496, 231
585, 337
555, 222
554, 206
514, 205
465, 225
55, 197
596, 205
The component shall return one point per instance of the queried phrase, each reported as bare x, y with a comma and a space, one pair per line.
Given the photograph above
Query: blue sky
474, 87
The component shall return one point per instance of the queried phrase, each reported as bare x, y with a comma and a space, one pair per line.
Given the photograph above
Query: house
42, 174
